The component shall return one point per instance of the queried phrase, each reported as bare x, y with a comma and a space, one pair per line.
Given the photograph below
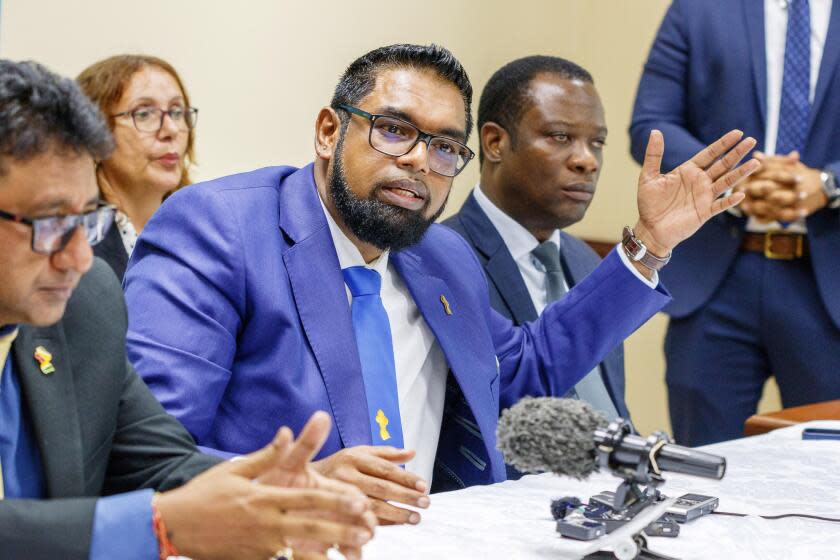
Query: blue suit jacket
508, 293
239, 323
706, 74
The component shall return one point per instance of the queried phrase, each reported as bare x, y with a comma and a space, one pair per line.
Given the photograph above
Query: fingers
389, 514
708, 155
309, 441
390, 491
733, 177
731, 158
253, 464
726, 202
390, 470
293, 526
784, 198
652, 163
314, 500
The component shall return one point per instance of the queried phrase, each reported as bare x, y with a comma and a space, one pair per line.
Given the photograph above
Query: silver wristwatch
638, 252
830, 188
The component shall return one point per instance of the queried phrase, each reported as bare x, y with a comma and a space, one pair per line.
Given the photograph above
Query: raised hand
235, 510
375, 471
673, 206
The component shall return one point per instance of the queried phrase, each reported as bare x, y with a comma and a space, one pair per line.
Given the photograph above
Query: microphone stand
636, 507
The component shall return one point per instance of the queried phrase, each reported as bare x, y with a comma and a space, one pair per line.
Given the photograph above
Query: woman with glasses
149, 113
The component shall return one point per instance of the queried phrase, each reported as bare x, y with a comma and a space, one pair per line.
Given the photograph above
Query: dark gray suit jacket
508, 293
99, 429
112, 251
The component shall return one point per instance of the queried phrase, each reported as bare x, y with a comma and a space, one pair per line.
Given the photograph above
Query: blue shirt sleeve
122, 528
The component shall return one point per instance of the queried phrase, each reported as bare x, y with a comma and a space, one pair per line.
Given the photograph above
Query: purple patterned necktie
795, 106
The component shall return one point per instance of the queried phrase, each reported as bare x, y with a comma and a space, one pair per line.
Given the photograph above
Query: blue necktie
795, 107
373, 339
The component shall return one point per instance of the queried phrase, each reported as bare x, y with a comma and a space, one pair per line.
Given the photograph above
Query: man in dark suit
755, 291
84, 446
541, 132
330, 287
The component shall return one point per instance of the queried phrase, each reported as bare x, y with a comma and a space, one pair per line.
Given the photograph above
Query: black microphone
567, 437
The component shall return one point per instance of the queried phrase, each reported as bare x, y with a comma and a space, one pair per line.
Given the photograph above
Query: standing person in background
756, 290
542, 131
148, 111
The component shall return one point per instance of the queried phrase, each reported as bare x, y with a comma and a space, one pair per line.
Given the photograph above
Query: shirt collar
348, 254
519, 241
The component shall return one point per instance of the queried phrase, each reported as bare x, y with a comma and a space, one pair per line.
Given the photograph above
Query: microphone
569, 438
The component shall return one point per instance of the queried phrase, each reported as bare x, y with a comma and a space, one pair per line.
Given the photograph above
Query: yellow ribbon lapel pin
44, 358
445, 303
382, 420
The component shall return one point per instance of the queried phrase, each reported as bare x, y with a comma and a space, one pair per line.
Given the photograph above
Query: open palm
672, 206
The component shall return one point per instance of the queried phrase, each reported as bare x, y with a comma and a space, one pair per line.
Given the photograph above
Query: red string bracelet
167, 549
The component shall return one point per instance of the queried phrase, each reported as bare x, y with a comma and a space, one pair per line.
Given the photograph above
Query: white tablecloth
771, 474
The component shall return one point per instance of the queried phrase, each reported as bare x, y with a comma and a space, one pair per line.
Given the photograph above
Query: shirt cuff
122, 528
652, 283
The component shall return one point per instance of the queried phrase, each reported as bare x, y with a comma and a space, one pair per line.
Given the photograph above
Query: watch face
632, 247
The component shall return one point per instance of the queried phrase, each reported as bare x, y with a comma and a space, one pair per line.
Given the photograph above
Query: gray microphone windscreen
550, 434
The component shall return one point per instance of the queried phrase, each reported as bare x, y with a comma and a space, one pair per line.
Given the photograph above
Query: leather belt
776, 245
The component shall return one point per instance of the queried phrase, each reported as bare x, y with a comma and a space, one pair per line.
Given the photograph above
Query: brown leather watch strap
637, 251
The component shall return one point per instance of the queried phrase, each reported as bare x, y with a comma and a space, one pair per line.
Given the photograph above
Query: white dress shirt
775, 37
520, 242
420, 363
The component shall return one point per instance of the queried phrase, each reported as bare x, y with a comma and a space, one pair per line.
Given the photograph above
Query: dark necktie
795, 107
376, 351
591, 388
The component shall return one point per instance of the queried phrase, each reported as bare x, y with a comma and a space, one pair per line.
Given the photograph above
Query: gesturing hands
268, 500
673, 206
375, 471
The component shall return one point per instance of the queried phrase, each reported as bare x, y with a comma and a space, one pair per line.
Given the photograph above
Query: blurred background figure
148, 110
756, 290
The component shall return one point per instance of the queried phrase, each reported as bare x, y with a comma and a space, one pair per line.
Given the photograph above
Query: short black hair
359, 79
505, 97
40, 110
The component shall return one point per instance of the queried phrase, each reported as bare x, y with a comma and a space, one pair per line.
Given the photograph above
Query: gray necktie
591, 388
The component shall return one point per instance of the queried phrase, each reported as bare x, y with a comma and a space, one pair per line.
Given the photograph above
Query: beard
372, 221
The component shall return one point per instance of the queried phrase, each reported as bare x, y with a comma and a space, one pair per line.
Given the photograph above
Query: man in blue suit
755, 291
270, 294
541, 130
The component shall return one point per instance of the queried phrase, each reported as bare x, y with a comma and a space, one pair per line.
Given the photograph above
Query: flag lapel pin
44, 358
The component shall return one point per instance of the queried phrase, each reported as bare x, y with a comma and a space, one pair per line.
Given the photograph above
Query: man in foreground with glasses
84, 446
266, 295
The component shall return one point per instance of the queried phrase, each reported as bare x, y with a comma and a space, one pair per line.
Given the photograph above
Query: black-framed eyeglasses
150, 119
51, 234
396, 137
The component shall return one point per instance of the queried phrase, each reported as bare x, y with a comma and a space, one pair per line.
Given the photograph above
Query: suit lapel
829, 63
51, 403
575, 268
321, 301
450, 331
500, 266
754, 22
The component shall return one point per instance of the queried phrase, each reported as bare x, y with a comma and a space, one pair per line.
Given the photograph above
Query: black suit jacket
112, 251
99, 429
508, 293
